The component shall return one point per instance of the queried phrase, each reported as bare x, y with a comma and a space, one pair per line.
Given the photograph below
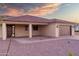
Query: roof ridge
61, 20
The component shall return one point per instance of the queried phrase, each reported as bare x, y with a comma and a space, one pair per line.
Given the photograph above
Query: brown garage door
64, 30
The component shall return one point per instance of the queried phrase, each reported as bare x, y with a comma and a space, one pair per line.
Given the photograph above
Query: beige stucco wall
0, 30
48, 30
44, 30
20, 31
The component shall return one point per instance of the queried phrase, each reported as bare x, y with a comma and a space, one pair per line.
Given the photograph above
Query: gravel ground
50, 47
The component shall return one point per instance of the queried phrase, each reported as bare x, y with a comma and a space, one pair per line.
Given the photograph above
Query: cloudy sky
48, 10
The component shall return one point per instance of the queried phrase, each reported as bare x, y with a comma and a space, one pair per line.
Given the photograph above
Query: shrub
70, 53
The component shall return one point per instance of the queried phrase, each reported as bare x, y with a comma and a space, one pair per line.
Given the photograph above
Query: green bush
70, 53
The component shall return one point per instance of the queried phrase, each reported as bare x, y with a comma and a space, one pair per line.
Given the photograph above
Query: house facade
29, 26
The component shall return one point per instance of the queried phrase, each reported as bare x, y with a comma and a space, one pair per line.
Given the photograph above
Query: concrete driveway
40, 47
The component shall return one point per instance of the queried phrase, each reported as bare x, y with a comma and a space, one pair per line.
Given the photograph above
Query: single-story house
29, 26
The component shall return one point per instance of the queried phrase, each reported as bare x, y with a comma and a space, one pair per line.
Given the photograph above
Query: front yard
48, 47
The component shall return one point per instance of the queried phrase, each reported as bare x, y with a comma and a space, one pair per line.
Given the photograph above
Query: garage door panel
64, 30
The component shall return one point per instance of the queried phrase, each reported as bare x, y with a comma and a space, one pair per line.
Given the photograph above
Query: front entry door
10, 30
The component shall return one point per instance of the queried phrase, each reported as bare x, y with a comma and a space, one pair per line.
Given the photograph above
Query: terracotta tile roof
28, 18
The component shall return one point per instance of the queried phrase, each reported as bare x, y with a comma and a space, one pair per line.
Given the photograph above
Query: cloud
37, 11
10, 10
43, 10
13, 12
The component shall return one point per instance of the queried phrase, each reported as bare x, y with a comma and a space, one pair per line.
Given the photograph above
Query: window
35, 27
26, 27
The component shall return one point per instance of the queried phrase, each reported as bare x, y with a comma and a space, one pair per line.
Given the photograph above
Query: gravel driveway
50, 47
